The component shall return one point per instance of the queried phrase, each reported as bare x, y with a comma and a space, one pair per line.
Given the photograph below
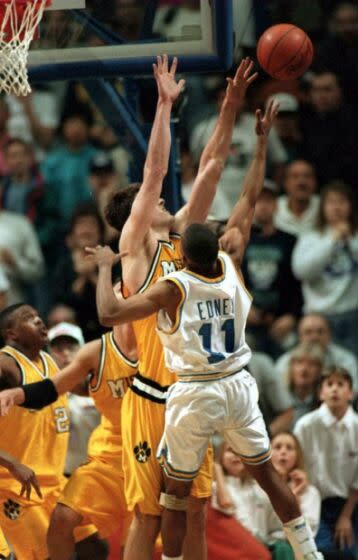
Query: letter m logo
117, 388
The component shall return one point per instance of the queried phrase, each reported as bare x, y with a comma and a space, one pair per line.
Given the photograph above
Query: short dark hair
84, 210
339, 372
6, 317
119, 206
200, 246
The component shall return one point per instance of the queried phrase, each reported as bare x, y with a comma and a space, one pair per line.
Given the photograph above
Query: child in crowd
237, 494
329, 438
303, 377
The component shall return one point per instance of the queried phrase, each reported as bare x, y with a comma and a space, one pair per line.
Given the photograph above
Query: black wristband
40, 394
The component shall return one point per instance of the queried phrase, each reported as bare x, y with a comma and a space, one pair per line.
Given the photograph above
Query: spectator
267, 271
288, 460
75, 278
4, 288
104, 183
65, 341
329, 439
314, 328
189, 171
275, 400
324, 121
4, 134
20, 255
303, 375
326, 261
66, 169
61, 314
237, 493
339, 53
34, 118
297, 210
23, 191
242, 147
287, 123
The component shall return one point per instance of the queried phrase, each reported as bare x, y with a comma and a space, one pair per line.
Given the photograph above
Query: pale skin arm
222, 494
216, 151
156, 164
85, 362
114, 311
243, 212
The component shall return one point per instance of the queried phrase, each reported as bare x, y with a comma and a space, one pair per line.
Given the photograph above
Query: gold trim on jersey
179, 309
202, 377
102, 361
206, 279
9, 351
155, 261
257, 459
128, 361
95, 388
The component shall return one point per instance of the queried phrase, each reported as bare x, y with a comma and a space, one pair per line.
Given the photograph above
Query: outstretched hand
168, 88
10, 398
237, 86
104, 255
265, 122
27, 478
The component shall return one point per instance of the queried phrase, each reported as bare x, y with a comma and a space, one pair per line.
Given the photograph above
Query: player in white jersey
202, 313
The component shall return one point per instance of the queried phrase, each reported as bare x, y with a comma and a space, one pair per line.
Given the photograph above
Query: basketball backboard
98, 38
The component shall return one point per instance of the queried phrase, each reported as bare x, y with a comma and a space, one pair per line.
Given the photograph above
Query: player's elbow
108, 319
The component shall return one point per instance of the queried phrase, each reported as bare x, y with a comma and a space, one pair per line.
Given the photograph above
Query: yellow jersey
107, 389
151, 356
37, 438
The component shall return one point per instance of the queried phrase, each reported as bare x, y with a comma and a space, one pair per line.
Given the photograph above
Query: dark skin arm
22, 473
10, 375
85, 362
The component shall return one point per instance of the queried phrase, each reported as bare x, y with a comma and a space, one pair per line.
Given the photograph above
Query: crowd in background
60, 163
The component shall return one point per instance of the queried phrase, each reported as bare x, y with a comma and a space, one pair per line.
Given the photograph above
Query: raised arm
243, 212
217, 149
156, 164
113, 311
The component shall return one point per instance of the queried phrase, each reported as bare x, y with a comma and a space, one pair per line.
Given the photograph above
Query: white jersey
207, 340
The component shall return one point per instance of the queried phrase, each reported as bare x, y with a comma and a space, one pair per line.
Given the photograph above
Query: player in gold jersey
95, 491
153, 251
35, 438
28, 480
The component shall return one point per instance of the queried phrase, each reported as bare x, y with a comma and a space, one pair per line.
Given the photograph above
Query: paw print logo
142, 452
11, 509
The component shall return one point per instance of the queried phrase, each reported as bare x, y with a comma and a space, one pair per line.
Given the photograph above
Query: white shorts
196, 410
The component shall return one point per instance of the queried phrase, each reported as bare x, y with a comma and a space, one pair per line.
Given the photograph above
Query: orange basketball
284, 51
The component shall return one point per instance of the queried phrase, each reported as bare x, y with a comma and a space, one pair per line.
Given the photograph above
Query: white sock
181, 557
300, 537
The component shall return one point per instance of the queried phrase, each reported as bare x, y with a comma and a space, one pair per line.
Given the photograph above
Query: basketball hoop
19, 20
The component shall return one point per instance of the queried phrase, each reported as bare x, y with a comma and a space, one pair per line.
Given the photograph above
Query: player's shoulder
309, 420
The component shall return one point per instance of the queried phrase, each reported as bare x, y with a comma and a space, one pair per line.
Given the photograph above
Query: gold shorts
25, 523
142, 429
96, 491
4, 549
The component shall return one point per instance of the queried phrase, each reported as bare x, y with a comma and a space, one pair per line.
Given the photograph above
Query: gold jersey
37, 438
151, 356
107, 389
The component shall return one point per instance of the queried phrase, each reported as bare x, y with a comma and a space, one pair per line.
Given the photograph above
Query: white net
20, 20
